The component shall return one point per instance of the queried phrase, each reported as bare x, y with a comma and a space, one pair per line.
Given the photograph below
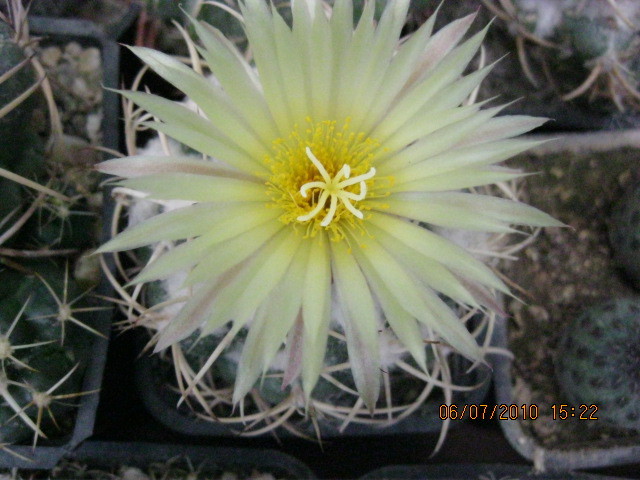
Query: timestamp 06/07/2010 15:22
515, 412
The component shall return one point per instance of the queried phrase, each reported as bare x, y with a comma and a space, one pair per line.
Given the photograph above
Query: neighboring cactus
598, 362
39, 352
590, 47
44, 338
624, 234
17, 82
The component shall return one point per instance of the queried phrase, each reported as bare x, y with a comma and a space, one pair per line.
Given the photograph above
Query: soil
564, 271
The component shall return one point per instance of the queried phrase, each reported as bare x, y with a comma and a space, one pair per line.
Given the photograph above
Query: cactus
17, 79
39, 352
624, 234
598, 361
355, 294
334, 403
591, 46
44, 335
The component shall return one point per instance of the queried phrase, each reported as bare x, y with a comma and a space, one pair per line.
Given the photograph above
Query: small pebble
132, 473
81, 89
50, 56
94, 127
557, 172
539, 313
73, 49
89, 60
625, 177
532, 254
568, 293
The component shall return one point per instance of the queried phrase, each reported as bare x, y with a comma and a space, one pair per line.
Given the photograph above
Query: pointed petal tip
481, 361
159, 346
104, 248
558, 223
467, 19
370, 399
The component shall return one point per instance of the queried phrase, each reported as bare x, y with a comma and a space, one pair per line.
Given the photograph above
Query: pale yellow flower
328, 154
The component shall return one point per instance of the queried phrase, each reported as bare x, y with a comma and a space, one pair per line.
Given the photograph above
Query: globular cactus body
624, 234
590, 46
42, 360
598, 362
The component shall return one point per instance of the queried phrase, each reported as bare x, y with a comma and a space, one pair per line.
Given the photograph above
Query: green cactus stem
598, 362
624, 234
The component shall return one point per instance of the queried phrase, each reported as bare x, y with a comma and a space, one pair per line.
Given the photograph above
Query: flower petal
370, 68
211, 99
190, 317
420, 301
140, 165
398, 73
241, 240
215, 302
403, 324
419, 126
194, 131
316, 311
466, 177
467, 211
274, 319
341, 27
259, 28
287, 55
503, 127
177, 224
205, 144
240, 299
441, 141
431, 272
457, 159
197, 188
237, 78
449, 69
440, 112
314, 37
439, 47
360, 323
284, 306
350, 63
435, 247
226, 254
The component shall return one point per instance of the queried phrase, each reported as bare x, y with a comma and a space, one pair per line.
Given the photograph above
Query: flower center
335, 189
321, 177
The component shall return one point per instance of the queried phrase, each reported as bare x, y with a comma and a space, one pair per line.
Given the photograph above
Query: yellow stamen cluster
321, 176
334, 188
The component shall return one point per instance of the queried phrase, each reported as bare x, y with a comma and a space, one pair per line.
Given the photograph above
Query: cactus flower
322, 168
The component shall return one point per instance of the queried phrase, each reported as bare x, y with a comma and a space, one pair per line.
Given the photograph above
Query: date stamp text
505, 411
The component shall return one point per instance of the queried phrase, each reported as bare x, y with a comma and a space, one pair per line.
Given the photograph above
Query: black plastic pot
571, 457
47, 453
473, 471
571, 154
160, 400
210, 462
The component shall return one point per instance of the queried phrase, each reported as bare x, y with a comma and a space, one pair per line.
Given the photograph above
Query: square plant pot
479, 471
185, 461
565, 274
86, 38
